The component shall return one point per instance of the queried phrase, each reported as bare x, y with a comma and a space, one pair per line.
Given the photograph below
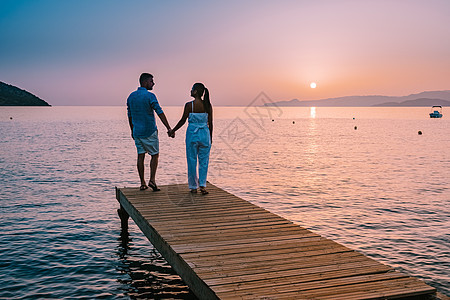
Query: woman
198, 136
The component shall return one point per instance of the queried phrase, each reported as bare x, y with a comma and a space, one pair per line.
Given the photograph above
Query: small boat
436, 112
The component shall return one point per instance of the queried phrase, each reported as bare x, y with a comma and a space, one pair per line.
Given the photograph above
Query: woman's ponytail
207, 101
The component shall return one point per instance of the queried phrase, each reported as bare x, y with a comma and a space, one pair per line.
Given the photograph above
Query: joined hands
171, 133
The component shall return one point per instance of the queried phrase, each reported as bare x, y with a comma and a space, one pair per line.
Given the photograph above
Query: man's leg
140, 167
153, 167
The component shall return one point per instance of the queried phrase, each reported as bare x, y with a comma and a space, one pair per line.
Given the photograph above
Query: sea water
363, 177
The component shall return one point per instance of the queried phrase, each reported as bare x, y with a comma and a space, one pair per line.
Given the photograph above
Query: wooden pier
224, 247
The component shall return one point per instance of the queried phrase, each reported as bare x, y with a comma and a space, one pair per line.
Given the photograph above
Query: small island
14, 96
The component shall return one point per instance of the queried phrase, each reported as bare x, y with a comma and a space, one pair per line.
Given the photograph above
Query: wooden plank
223, 246
382, 289
157, 216
227, 237
286, 256
250, 241
242, 244
198, 207
187, 201
198, 226
270, 262
263, 285
245, 251
371, 265
222, 212
248, 253
273, 266
311, 285
261, 228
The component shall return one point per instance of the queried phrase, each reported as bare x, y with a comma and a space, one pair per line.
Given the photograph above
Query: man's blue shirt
140, 106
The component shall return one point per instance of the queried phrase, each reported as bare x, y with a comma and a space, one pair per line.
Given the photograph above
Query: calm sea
363, 177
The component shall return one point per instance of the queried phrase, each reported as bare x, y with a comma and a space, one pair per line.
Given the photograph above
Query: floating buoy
10, 118
356, 127
353, 118
419, 133
293, 122
273, 120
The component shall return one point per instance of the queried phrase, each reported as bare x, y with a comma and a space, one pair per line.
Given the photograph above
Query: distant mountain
371, 100
416, 102
13, 96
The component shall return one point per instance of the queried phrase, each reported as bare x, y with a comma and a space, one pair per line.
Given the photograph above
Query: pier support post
123, 215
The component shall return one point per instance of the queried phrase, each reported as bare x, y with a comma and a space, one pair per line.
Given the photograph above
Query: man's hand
171, 133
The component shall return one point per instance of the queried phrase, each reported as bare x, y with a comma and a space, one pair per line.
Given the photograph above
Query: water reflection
147, 276
313, 112
124, 239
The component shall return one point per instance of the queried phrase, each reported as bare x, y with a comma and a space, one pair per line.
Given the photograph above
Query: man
141, 105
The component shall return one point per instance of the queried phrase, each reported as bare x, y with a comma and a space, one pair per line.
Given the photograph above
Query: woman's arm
183, 118
210, 123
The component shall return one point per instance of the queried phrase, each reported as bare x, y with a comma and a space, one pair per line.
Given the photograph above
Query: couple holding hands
141, 105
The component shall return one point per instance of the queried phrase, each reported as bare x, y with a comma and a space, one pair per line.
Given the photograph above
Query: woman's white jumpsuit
198, 145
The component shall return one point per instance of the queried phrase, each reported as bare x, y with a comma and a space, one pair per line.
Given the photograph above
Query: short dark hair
144, 77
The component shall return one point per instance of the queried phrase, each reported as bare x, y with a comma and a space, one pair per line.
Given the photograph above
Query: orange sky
93, 53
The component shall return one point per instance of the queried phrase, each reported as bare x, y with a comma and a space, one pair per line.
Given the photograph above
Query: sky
82, 52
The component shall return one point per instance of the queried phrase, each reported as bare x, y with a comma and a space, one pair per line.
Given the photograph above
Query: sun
313, 85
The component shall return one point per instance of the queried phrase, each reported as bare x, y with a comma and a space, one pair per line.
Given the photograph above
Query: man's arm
130, 121
155, 106
131, 126
163, 119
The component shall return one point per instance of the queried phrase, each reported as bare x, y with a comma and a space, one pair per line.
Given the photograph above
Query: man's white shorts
148, 145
